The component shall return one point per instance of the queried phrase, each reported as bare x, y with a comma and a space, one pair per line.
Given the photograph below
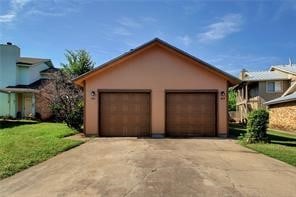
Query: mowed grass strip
282, 145
26, 145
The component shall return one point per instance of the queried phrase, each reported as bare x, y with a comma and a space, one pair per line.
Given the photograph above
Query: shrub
231, 100
256, 127
75, 117
7, 117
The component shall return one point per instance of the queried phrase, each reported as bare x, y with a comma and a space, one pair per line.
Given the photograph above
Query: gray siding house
259, 89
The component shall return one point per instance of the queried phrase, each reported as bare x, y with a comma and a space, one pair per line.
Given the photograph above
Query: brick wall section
283, 116
42, 101
43, 107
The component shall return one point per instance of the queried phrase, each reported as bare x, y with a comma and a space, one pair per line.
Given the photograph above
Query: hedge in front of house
256, 127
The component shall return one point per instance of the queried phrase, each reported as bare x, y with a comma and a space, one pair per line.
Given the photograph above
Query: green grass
22, 146
282, 146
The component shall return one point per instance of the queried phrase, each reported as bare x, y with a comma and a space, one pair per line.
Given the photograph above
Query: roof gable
291, 69
232, 80
290, 90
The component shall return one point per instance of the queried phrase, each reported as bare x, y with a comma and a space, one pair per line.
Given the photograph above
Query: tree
78, 62
65, 98
67, 103
231, 100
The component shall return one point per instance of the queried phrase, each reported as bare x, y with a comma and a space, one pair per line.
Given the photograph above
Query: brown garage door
124, 114
190, 114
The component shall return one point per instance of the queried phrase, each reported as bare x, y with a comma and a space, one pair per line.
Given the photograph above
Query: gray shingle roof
30, 60
50, 70
33, 85
284, 99
265, 76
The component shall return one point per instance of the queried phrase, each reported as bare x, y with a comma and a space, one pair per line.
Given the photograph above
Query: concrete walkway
155, 167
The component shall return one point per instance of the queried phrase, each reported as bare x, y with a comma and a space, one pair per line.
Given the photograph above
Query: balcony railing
256, 99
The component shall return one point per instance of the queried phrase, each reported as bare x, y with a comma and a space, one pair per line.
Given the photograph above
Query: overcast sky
228, 34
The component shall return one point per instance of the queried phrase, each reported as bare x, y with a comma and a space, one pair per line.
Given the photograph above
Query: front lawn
281, 147
25, 145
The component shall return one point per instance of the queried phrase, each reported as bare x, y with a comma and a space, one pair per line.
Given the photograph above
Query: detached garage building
156, 89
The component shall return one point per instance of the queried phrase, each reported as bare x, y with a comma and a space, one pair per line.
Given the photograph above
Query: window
273, 86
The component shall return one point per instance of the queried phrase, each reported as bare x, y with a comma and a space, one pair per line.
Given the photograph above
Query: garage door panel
191, 114
124, 114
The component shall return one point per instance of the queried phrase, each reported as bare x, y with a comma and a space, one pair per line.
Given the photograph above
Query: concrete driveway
155, 167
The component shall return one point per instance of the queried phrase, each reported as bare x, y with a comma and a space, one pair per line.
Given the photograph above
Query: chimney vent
9, 43
242, 74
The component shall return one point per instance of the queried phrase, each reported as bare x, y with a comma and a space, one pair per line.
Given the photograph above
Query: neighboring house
257, 88
282, 110
20, 81
155, 90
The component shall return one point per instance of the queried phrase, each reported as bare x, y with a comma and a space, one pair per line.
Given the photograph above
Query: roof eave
278, 102
265, 79
18, 90
24, 64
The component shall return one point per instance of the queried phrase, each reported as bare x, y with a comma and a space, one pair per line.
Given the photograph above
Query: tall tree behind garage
66, 99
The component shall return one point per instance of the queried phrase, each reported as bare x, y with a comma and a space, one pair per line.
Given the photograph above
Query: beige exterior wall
270, 96
156, 69
283, 116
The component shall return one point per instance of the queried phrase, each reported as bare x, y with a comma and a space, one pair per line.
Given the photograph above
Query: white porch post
33, 105
9, 101
247, 94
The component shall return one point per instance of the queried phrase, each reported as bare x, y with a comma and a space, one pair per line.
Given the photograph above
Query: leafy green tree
231, 100
65, 98
78, 62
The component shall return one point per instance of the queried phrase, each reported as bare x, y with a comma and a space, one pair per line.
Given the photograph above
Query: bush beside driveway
22, 146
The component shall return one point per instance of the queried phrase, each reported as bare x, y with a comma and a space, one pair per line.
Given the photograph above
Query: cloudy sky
228, 34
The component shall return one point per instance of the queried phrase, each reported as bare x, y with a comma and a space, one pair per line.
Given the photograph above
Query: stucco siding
283, 116
158, 70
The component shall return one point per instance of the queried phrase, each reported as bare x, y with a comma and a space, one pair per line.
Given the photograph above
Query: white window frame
275, 89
